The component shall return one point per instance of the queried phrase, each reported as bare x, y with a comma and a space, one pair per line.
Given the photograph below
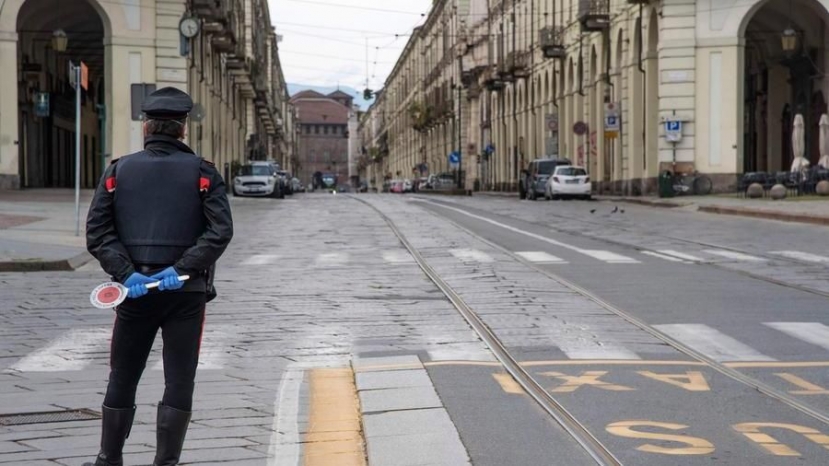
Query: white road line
712, 343
814, 333
664, 257
398, 257
609, 257
681, 255
261, 259
803, 256
582, 351
471, 255
737, 256
332, 259
284, 444
69, 352
539, 257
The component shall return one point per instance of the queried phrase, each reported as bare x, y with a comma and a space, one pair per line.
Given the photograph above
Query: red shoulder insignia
204, 184
110, 184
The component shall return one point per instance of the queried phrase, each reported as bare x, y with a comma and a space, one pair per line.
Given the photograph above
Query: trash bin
666, 188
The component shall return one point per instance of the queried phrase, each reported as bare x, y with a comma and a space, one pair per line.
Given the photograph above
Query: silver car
256, 179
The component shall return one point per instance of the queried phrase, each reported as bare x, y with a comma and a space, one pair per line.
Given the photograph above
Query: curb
64, 265
767, 215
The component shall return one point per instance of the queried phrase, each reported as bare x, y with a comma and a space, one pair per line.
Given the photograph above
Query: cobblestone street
331, 344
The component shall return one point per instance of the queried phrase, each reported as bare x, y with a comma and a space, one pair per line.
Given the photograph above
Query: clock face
189, 27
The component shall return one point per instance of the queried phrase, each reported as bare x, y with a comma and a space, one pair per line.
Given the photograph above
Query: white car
256, 179
569, 181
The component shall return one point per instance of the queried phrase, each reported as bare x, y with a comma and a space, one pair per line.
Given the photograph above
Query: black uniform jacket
102, 237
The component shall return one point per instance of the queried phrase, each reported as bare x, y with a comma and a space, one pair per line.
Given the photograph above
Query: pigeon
622, 211
593, 211
616, 209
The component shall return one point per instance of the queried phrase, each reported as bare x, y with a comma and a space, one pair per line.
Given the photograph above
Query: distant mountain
358, 95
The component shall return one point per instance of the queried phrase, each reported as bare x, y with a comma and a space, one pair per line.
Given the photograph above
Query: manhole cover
48, 417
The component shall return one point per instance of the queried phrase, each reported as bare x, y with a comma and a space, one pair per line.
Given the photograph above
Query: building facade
323, 134
598, 81
228, 62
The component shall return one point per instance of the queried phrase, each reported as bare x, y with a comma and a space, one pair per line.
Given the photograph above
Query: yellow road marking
591, 378
693, 381
752, 431
808, 387
508, 384
696, 445
775, 364
334, 436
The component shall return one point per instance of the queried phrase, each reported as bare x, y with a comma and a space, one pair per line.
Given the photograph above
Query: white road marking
712, 343
664, 257
681, 255
332, 259
606, 256
284, 444
261, 259
596, 351
539, 257
471, 255
609, 257
803, 256
814, 333
398, 257
737, 256
69, 352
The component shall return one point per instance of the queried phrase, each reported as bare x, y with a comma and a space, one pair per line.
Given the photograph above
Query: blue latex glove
169, 279
137, 284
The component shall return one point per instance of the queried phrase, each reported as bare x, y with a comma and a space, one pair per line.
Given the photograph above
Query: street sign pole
77, 73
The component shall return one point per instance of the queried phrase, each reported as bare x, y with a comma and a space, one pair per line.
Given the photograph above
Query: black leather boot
171, 429
116, 425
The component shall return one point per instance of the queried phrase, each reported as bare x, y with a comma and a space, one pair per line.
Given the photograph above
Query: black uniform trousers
180, 316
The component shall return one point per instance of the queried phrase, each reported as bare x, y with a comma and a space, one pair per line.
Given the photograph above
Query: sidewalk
37, 230
810, 210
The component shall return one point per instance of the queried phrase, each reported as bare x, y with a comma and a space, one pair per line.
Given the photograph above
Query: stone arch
10, 13
741, 15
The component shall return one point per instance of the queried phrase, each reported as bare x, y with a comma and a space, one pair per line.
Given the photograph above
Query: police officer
157, 215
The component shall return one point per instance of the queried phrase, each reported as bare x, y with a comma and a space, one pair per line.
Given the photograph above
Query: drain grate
48, 417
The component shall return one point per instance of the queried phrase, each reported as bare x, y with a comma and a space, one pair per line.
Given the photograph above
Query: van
533, 181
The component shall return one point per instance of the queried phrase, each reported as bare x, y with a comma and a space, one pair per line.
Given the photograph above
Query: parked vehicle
407, 186
533, 181
396, 187
296, 185
285, 182
257, 179
568, 181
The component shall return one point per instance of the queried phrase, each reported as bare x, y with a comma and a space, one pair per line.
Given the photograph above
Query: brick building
323, 134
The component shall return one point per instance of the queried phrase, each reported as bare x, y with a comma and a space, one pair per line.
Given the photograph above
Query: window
316, 129
335, 129
325, 129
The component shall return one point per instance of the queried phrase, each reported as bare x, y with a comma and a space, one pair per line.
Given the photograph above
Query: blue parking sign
673, 126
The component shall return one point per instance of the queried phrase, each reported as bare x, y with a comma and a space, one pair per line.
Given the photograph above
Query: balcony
639, 2
552, 42
594, 15
209, 10
518, 64
492, 80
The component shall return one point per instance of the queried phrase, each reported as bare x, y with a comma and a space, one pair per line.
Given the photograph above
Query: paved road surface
669, 337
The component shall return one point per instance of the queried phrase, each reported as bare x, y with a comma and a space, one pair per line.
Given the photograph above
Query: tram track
578, 431
716, 265
729, 372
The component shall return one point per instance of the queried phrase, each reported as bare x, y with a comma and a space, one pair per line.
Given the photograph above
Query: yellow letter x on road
572, 383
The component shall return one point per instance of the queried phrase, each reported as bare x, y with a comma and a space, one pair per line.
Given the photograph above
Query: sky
324, 41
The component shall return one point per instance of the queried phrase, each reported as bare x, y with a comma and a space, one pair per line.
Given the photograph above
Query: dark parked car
533, 181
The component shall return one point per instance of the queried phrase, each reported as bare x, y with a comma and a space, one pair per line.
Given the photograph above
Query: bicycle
691, 183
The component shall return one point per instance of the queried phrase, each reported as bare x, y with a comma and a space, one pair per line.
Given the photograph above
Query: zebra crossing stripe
712, 343
664, 257
471, 255
539, 257
261, 259
738, 256
803, 256
69, 352
332, 259
212, 356
813, 333
597, 352
398, 257
609, 257
681, 255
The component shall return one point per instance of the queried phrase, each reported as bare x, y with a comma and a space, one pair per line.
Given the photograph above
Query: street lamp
789, 40
60, 40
